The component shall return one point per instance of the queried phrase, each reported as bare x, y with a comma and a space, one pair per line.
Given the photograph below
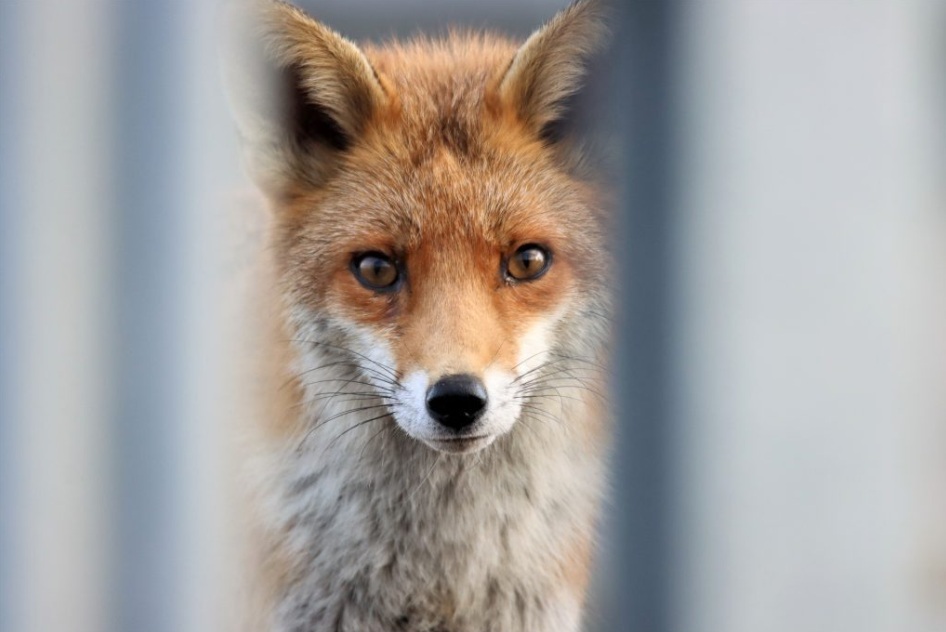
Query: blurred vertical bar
170, 163
212, 176
638, 547
54, 153
10, 466
149, 268
811, 292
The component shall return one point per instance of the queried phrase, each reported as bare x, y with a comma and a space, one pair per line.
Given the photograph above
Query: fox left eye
529, 262
375, 271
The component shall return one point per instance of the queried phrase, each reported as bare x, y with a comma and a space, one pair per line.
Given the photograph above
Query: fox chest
446, 549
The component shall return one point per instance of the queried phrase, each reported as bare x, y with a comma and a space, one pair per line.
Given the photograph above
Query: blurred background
780, 461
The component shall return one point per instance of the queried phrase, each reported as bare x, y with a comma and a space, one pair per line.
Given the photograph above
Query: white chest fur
386, 534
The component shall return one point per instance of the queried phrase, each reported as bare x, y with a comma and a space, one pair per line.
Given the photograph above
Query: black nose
456, 400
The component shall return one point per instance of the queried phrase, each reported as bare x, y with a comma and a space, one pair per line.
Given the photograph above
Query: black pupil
376, 269
530, 260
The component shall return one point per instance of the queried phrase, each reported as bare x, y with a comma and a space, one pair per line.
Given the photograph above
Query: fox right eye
528, 263
375, 271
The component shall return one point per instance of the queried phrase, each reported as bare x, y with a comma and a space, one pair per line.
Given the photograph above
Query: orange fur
431, 152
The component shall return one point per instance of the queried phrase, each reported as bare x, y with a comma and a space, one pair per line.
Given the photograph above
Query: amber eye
528, 262
375, 271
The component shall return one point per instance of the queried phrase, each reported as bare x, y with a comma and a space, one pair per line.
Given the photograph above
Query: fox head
432, 231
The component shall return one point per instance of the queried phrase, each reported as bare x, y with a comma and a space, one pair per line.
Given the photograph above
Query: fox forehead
441, 89
448, 199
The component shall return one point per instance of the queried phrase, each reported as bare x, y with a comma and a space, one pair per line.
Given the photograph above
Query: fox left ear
548, 68
301, 93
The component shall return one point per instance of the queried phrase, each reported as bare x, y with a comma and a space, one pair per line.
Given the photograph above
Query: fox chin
429, 315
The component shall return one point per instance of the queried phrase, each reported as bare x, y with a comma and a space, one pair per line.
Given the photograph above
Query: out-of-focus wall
115, 148
811, 356
57, 125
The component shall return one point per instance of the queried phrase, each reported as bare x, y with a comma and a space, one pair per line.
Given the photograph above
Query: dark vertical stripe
11, 207
148, 264
642, 94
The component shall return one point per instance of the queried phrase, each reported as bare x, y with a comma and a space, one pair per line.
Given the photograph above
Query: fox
430, 323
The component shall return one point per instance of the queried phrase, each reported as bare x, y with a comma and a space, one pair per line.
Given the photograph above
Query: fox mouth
460, 445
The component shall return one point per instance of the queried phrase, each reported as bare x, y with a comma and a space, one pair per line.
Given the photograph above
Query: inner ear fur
549, 67
300, 91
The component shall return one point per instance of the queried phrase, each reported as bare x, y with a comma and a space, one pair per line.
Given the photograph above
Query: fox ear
300, 92
548, 68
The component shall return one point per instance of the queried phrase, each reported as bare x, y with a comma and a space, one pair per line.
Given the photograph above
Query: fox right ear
300, 92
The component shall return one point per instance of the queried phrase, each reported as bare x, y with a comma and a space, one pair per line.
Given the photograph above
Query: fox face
430, 236
450, 272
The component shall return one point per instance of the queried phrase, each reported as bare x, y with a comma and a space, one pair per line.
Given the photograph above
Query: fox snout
456, 412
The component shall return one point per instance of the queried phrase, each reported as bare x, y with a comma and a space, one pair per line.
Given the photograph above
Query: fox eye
375, 271
529, 262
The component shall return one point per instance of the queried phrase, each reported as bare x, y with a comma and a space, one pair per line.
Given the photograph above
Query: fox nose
456, 401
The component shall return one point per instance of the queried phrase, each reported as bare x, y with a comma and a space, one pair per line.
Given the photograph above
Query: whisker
558, 369
541, 366
533, 395
536, 411
384, 393
496, 355
589, 361
349, 381
344, 413
358, 396
388, 369
382, 377
384, 396
355, 401
528, 393
555, 382
516, 366
564, 382
361, 394
357, 425
361, 455
559, 360
426, 476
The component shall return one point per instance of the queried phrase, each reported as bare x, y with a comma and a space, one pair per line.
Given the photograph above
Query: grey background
780, 457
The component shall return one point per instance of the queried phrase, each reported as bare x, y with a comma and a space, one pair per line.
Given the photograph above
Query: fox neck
365, 507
